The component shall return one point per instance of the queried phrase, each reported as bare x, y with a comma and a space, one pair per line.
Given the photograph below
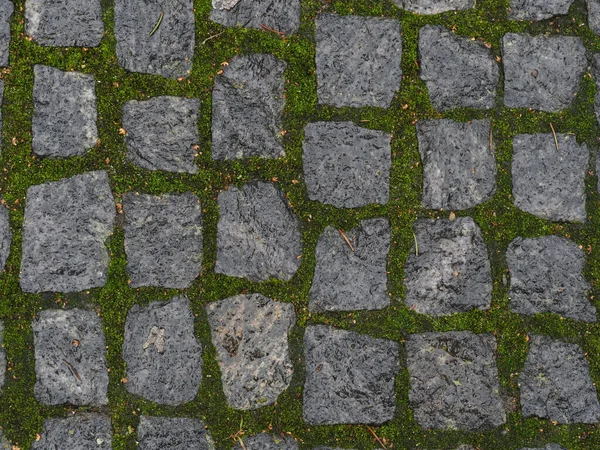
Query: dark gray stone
542, 72
459, 169
345, 165
350, 377
162, 133
163, 239
459, 72
169, 50
546, 275
5, 236
279, 15
246, 108
250, 333
64, 23
6, 11
64, 113
537, 9
547, 447
258, 236
555, 383
593, 8
163, 356
348, 279
82, 431
65, 228
448, 270
70, 358
547, 182
454, 381
265, 441
358, 60
161, 433
428, 7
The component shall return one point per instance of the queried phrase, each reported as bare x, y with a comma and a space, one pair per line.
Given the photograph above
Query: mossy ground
21, 416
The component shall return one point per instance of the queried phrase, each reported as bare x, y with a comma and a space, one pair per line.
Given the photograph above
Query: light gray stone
593, 8
5, 236
250, 333
547, 447
537, 9
6, 11
173, 433
82, 431
429, 7
279, 15
264, 441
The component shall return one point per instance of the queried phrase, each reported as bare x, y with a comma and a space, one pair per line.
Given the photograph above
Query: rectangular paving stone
430, 7
5, 235
279, 15
173, 433
6, 11
593, 9
82, 431
537, 9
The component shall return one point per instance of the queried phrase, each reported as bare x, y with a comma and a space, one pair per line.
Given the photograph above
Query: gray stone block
350, 377
459, 168
547, 447
163, 356
161, 433
70, 358
5, 236
4, 443
454, 381
250, 333
593, 8
6, 11
448, 270
161, 133
258, 236
142, 47
346, 166
537, 9
264, 441
65, 228
546, 275
555, 383
459, 72
82, 431
429, 7
358, 60
64, 112
348, 279
542, 72
163, 239
247, 104
279, 15
547, 182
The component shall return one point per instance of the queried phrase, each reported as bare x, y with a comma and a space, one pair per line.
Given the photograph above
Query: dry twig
376, 437
266, 28
346, 239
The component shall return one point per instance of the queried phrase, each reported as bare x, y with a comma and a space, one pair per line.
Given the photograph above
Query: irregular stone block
250, 333
247, 105
593, 8
459, 169
82, 431
450, 271
279, 15
70, 358
550, 182
429, 7
542, 72
6, 11
163, 239
160, 433
454, 381
258, 236
162, 133
555, 383
358, 60
5, 235
64, 112
352, 278
155, 36
349, 377
537, 9
163, 356
265, 441
547, 447
65, 228
459, 72
346, 166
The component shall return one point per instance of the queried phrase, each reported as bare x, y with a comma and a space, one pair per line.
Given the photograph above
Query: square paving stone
346, 166
448, 270
350, 377
258, 236
358, 60
162, 133
593, 8
429, 7
250, 333
64, 112
459, 72
352, 278
547, 182
65, 229
155, 36
64, 23
163, 356
265, 441
6, 11
163, 239
70, 358
555, 383
167, 433
546, 275
537, 9
247, 105
459, 168
82, 431
454, 381
279, 15
542, 72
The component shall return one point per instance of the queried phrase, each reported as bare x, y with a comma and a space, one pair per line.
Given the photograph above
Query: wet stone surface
5, 236
160, 433
352, 275
454, 381
429, 7
247, 105
350, 377
358, 60
593, 8
279, 15
265, 441
346, 166
537, 9
163, 356
459, 72
555, 383
6, 11
82, 431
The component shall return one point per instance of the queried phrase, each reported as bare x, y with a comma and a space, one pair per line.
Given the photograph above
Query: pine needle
416, 245
376, 437
554, 134
346, 239
158, 22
